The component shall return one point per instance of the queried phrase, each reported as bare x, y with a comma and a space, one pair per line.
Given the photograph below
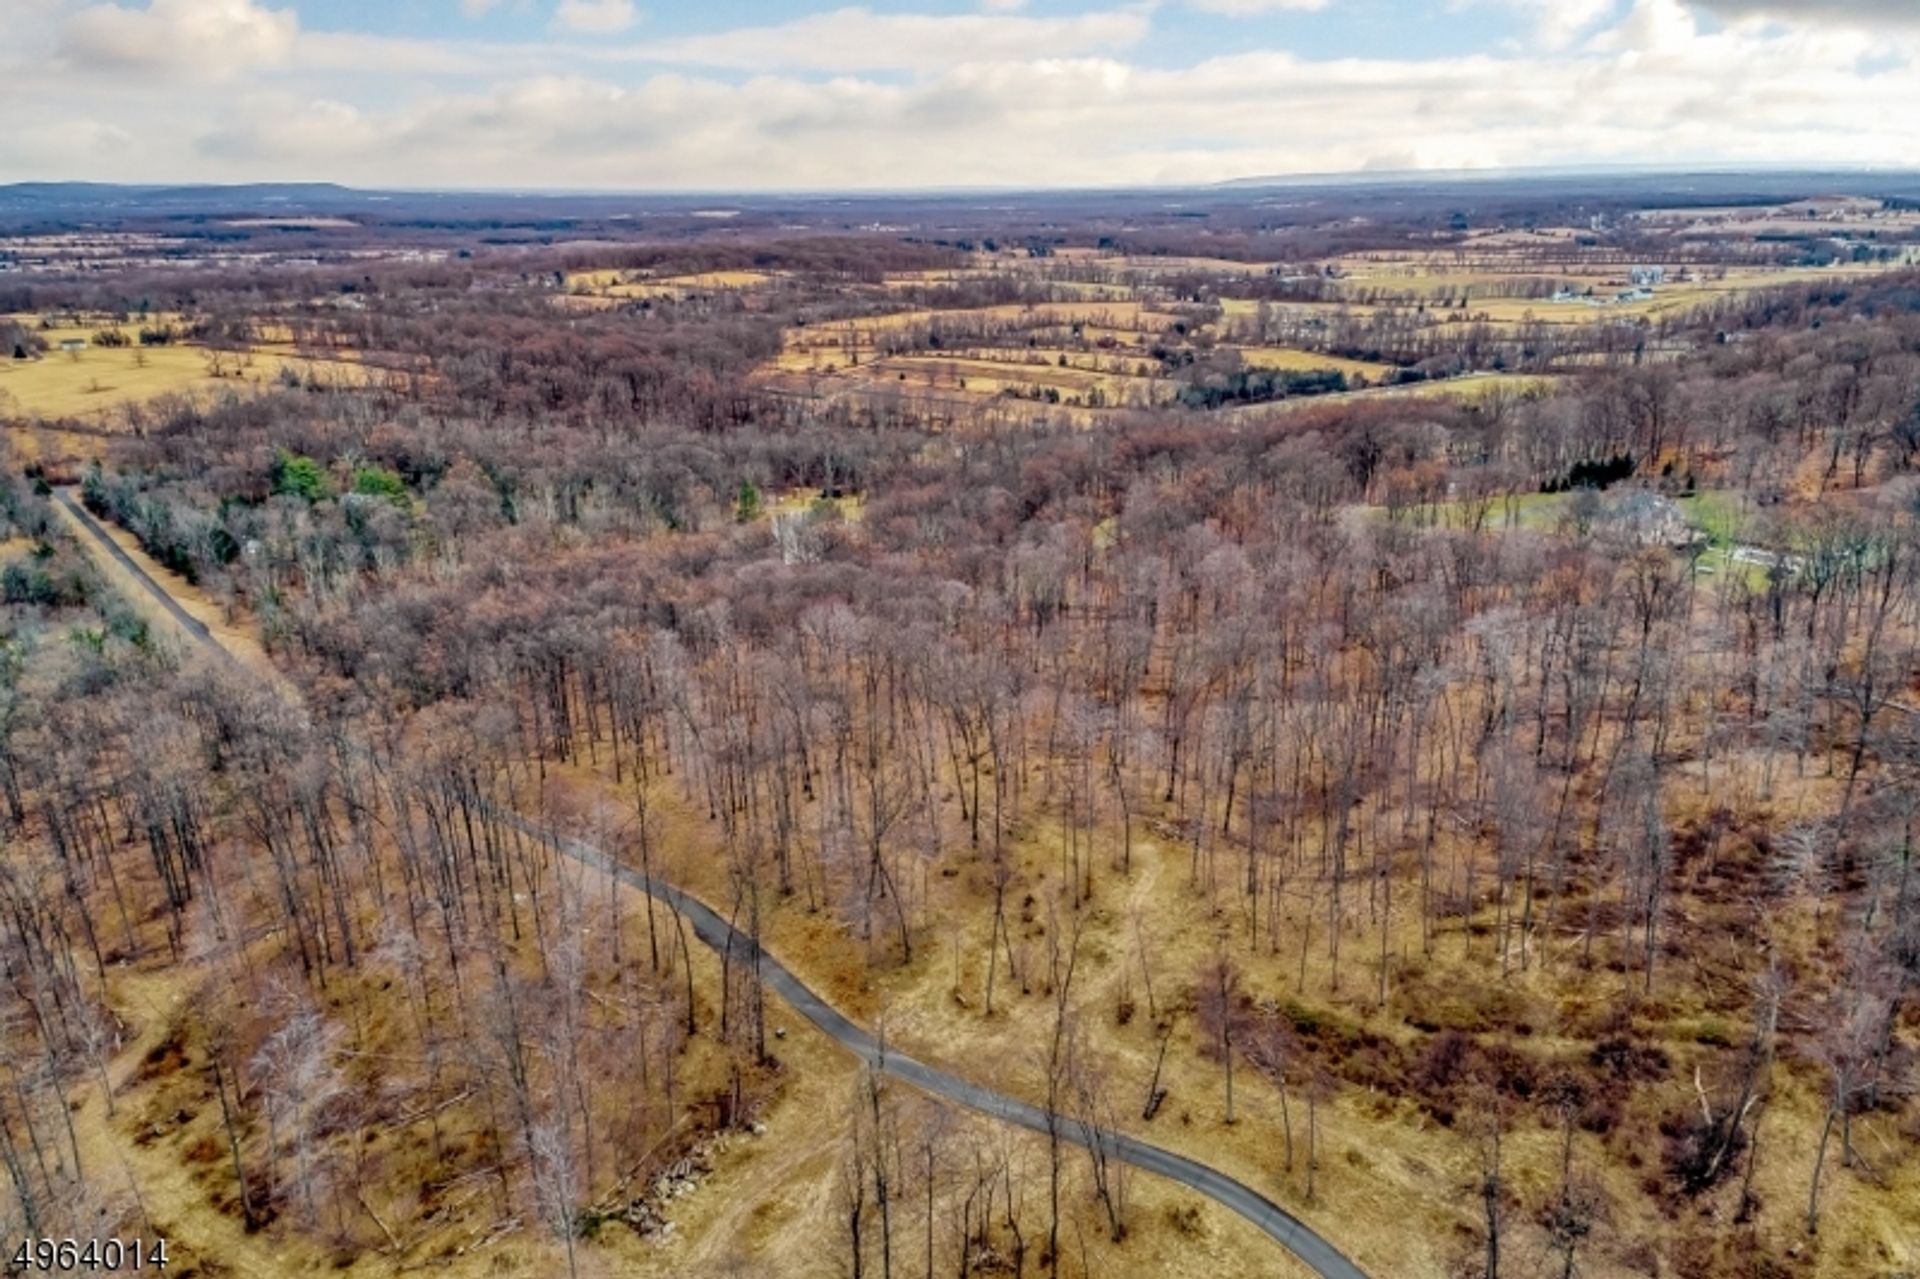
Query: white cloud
1248, 8
857, 99
861, 40
1099, 121
594, 17
1554, 24
348, 54
1821, 11
1653, 27
77, 147
203, 38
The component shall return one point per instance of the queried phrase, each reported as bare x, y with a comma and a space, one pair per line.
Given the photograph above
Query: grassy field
837, 345
1720, 515
1415, 283
1153, 265
1726, 520
1292, 360
1124, 310
994, 377
626, 285
98, 380
898, 280
682, 285
95, 381
1472, 386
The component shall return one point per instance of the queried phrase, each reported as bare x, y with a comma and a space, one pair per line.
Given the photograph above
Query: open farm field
1300, 361
1150, 266
1003, 376
1665, 301
684, 285
97, 382
1085, 362
947, 277
627, 286
1816, 217
93, 366
841, 344
1468, 389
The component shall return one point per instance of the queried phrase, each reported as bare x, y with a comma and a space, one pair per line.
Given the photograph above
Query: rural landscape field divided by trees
1406, 696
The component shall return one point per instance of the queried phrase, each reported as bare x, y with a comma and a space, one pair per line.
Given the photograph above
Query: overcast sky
787, 94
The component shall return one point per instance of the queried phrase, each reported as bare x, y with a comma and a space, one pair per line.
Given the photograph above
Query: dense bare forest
1481, 822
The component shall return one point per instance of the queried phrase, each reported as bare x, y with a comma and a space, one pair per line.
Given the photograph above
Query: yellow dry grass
771, 1198
61, 452
1393, 1187
1291, 359
627, 285
899, 280
790, 1215
1423, 281
1414, 278
1471, 387
1377, 1194
1119, 361
680, 285
1477, 386
97, 380
1129, 316
93, 382
775, 1199
851, 348
151, 1156
851, 507
172, 1204
993, 375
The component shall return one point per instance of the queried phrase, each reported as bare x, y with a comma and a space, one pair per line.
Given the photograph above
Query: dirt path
173, 1204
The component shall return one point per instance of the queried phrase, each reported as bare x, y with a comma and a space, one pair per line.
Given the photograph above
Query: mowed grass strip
623, 284
1291, 359
998, 375
679, 285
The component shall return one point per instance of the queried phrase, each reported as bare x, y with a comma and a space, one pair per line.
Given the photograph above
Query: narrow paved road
1292, 1233
195, 628
1295, 1235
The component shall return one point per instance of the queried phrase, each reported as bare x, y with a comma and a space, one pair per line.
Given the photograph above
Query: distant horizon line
1338, 178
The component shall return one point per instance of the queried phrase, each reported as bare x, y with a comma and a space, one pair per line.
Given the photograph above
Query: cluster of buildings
1643, 280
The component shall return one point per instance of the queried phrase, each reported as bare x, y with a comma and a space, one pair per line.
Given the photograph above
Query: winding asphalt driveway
1292, 1233
1295, 1235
